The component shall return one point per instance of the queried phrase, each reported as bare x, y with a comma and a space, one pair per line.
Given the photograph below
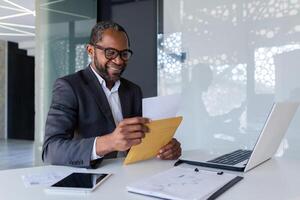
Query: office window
229, 60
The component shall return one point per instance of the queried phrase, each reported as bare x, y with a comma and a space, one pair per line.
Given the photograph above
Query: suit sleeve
60, 147
138, 110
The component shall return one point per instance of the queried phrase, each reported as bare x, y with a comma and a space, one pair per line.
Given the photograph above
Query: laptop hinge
211, 165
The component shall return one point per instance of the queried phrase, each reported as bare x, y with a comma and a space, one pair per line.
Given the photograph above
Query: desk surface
276, 179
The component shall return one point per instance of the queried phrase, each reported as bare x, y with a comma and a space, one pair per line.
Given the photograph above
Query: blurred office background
229, 61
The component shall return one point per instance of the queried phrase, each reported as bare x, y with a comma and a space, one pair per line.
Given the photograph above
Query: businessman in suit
95, 113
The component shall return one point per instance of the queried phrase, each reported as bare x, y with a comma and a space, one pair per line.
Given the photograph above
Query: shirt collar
103, 83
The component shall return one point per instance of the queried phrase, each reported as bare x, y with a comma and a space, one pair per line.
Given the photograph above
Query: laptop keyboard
232, 158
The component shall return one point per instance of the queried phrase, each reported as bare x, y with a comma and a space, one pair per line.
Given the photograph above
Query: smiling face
109, 69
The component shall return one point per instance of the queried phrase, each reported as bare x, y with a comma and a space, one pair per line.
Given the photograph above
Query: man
95, 113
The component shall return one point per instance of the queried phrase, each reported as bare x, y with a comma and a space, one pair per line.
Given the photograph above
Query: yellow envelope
160, 133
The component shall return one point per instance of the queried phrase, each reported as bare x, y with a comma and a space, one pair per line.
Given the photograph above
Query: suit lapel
124, 100
98, 94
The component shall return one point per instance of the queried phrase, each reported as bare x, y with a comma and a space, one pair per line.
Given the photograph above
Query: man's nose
118, 60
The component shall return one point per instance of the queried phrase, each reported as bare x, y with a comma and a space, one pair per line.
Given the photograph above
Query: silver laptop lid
266, 145
273, 131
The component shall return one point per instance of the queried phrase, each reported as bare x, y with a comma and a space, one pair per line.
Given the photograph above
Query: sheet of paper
161, 106
161, 132
181, 183
42, 179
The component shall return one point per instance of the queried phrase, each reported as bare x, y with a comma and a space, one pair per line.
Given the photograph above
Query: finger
134, 120
169, 152
134, 135
171, 155
170, 145
135, 128
173, 147
134, 142
175, 140
165, 149
165, 154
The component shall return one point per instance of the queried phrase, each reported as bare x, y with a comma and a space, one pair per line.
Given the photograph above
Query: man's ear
90, 50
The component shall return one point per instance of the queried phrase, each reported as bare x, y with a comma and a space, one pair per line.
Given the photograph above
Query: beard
103, 70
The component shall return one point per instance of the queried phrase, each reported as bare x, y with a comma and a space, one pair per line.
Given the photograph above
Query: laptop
266, 146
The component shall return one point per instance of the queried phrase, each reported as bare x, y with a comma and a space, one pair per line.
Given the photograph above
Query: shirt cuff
94, 155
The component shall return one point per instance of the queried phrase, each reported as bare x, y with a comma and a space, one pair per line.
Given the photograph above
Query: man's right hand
128, 133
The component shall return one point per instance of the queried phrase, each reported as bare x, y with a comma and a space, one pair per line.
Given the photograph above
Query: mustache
115, 67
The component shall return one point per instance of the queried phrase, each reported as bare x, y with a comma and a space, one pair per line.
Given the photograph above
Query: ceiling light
17, 25
18, 6
67, 13
15, 15
17, 30
13, 34
11, 8
52, 2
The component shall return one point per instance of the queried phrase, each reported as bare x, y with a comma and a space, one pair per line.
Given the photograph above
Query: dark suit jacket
79, 112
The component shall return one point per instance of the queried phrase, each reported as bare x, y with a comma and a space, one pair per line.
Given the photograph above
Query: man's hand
128, 133
170, 151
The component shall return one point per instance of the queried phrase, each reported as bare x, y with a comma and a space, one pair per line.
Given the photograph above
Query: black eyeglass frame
119, 53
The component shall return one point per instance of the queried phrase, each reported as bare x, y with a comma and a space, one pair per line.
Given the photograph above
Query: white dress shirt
114, 103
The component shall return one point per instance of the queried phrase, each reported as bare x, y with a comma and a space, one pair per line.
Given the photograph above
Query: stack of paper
42, 179
181, 183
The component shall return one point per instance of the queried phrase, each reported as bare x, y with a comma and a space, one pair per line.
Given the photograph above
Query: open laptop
266, 146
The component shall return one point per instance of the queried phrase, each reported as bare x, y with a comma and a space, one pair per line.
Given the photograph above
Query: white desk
277, 179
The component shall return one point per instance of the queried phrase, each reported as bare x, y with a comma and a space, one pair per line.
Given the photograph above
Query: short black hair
100, 27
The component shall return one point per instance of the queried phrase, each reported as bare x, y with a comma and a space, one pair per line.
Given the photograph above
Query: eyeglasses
111, 53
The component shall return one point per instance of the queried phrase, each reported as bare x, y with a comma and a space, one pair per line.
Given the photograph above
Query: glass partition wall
63, 30
230, 60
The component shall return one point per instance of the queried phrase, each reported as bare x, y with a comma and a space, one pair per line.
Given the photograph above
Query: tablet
79, 182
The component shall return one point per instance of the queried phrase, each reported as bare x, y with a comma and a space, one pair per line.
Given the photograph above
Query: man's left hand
170, 151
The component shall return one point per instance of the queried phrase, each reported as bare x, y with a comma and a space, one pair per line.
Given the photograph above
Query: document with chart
185, 183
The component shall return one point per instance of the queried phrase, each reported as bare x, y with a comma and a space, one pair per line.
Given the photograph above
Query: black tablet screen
80, 180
